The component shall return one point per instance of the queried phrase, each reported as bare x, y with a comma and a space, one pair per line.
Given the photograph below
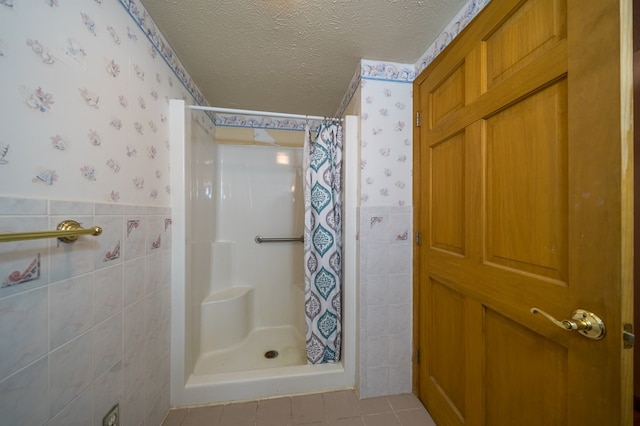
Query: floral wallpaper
385, 135
85, 101
85, 95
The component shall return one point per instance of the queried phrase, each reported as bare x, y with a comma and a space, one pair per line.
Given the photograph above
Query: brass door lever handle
586, 323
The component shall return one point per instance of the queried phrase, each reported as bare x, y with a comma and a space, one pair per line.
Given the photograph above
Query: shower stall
237, 288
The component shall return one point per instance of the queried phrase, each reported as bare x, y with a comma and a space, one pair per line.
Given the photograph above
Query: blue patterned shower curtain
323, 242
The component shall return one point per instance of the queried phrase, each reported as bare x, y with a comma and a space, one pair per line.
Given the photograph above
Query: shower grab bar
67, 232
260, 239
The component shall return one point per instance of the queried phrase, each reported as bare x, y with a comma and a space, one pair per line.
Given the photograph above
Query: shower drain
270, 354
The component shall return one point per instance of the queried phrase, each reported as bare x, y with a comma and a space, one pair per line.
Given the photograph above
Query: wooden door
523, 196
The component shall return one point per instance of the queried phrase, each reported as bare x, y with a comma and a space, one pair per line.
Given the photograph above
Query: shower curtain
323, 242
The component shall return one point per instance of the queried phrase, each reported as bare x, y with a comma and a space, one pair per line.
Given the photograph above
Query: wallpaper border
406, 73
367, 69
143, 20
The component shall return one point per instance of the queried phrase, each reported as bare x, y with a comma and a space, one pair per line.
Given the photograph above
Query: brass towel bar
67, 232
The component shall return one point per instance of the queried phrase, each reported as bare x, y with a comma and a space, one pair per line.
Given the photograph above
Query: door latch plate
628, 338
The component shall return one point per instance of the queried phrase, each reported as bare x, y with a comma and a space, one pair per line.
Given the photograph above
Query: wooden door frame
417, 227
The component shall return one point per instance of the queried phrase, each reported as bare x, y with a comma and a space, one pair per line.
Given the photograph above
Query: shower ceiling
294, 56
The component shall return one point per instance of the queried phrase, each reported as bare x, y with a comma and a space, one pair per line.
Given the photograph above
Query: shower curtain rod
262, 113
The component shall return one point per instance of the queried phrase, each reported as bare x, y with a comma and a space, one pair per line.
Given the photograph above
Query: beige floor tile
417, 417
406, 401
274, 412
341, 408
356, 421
175, 417
341, 405
386, 419
240, 414
203, 416
376, 405
307, 409
272, 422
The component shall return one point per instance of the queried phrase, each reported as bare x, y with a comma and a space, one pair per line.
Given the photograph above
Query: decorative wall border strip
143, 20
457, 24
351, 90
388, 71
372, 70
255, 122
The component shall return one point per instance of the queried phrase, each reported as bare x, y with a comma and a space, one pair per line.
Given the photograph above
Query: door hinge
418, 238
418, 356
418, 119
628, 338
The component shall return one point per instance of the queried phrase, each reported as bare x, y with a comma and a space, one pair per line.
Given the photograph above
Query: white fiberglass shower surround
233, 299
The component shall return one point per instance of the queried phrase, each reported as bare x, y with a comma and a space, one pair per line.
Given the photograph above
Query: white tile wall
70, 308
28, 313
71, 371
91, 330
385, 295
25, 395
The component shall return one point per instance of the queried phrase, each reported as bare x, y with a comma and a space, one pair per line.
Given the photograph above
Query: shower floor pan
250, 353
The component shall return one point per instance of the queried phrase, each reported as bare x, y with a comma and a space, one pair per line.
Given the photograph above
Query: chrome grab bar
260, 239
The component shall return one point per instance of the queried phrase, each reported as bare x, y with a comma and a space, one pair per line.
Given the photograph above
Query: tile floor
340, 408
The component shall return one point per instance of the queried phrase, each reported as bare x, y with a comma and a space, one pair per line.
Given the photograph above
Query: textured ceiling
295, 56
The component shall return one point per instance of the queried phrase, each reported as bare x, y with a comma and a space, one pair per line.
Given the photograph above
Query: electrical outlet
113, 417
